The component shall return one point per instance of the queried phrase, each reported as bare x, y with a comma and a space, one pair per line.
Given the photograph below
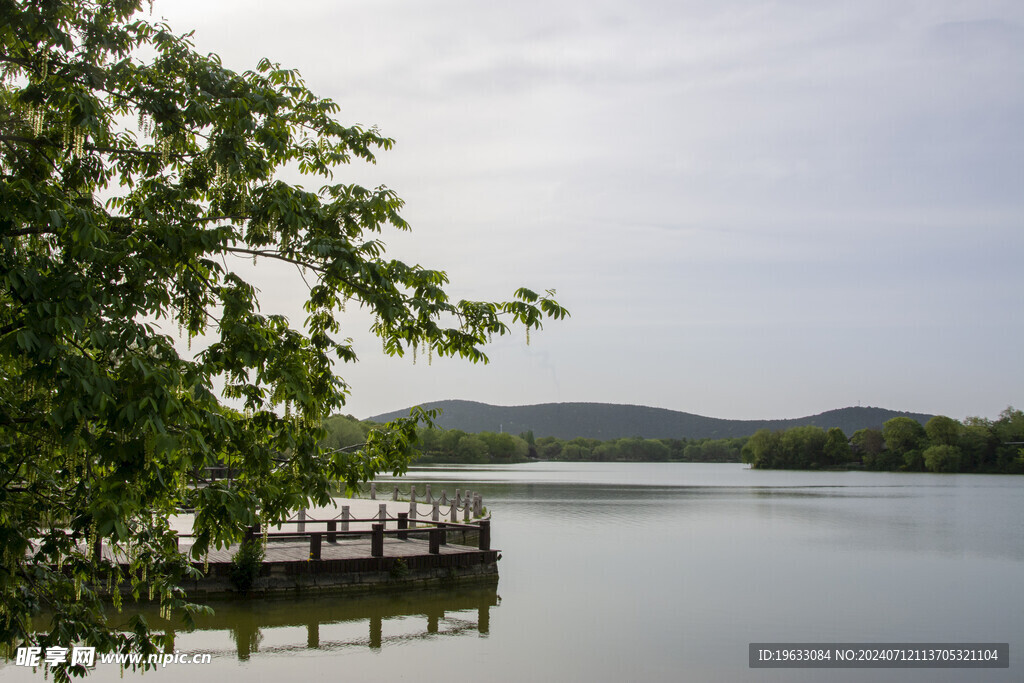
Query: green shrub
399, 569
246, 564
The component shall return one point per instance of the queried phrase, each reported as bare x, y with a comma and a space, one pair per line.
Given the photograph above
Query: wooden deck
421, 554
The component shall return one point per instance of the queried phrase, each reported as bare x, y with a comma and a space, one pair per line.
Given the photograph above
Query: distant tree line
636, 449
902, 444
456, 446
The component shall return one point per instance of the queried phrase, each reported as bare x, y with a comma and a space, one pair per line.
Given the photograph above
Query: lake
663, 572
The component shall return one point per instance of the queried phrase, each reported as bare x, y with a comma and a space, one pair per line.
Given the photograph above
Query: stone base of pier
348, 567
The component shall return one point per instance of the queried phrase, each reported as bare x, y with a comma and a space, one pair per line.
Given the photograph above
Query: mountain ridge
615, 421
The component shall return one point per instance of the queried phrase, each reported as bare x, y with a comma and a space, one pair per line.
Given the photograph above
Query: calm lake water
663, 572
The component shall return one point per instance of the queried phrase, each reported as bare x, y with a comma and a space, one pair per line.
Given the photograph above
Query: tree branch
275, 255
31, 231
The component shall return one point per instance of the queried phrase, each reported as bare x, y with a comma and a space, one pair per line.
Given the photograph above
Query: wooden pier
351, 554
322, 557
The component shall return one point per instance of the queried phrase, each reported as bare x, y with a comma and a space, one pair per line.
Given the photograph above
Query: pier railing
437, 533
471, 499
442, 524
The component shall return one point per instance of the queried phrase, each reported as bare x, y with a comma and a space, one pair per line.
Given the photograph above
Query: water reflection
243, 628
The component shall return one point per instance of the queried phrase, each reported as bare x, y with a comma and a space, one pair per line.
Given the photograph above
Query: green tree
471, 449
531, 443
722, 450
677, 449
763, 450
869, 445
504, 447
580, 448
836, 448
429, 441
345, 431
943, 431
574, 451
803, 447
652, 450
693, 452
1010, 425
606, 452
978, 444
549, 447
1009, 431
135, 176
905, 438
903, 434
942, 458
449, 440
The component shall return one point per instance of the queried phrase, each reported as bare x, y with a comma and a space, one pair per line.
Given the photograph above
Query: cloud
729, 194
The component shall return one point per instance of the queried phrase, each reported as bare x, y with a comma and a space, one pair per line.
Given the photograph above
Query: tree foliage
903, 435
942, 458
943, 431
456, 446
942, 445
805, 447
867, 443
138, 177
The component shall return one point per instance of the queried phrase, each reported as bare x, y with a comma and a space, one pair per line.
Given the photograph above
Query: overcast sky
752, 209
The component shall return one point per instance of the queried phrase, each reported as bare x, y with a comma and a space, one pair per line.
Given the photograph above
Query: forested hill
610, 421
